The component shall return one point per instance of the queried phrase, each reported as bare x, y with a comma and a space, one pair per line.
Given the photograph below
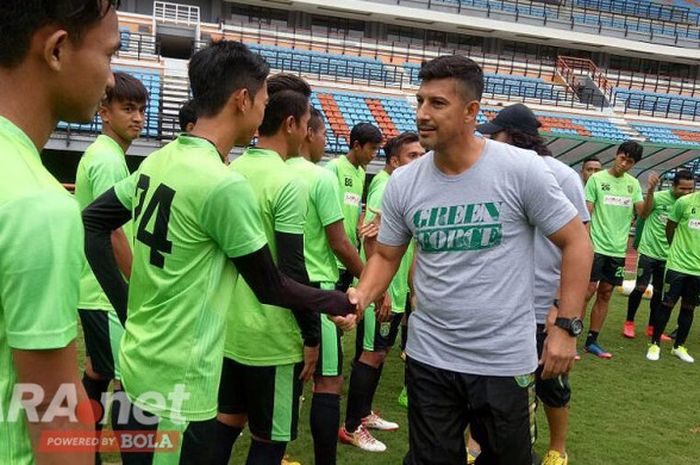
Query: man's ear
104, 113
394, 162
240, 101
289, 124
54, 48
471, 111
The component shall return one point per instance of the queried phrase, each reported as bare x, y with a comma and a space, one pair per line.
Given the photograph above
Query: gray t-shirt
475, 263
548, 255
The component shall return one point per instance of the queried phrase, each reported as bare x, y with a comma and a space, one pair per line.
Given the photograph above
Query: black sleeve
104, 215
274, 288
290, 260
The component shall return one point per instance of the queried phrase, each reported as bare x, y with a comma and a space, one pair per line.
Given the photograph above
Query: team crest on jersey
605, 187
630, 189
348, 181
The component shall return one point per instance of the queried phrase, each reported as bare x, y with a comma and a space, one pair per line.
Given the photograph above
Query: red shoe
664, 337
628, 330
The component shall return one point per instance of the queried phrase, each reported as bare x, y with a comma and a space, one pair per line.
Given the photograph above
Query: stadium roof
573, 150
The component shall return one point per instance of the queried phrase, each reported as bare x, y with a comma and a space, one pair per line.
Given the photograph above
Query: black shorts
345, 280
553, 392
681, 286
608, 269
193, 442
268, 395
103, 332
650, 270
373, 336
442, 403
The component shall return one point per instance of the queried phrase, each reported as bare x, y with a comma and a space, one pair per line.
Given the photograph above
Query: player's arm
644, 206
233, 203
104, 215
39, 289
671, 230
343, 248
50, 371
122, 251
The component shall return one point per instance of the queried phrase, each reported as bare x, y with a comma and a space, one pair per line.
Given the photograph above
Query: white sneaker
654, 352
361, 438
374, 421
682, 353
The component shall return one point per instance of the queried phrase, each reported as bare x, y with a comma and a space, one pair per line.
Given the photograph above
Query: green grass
624, 411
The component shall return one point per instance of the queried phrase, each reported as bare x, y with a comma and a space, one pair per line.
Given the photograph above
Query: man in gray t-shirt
472, 207
517, 125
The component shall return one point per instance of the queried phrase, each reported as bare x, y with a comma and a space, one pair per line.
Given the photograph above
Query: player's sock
225, 439
325, 418
633, 302
367, 408
685, 321
592, 337
361, 382
663, 313
94, 389
265, 453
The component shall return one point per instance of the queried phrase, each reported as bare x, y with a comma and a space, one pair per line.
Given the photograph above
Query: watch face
576, 326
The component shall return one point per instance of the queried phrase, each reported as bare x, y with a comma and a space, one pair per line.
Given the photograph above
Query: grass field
625, 411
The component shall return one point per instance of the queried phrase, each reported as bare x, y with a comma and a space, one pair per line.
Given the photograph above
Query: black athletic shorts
442, 403
373, 336
103, 332
650, 270
553, 392
345, 280
681, 286
608, 269
268, 395
181, 442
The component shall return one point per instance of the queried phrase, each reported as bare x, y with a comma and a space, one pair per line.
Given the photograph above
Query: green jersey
323, 209
41, 256
398, 288
102, 166
352, 183
684, 253
190, 215
257, 334
613, 199
653, 243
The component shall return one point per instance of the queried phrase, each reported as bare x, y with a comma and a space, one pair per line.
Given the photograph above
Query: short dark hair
591, 158
20, 19
459, 67
126, 89
316, 122
187, 114
222, 68
632, 149
364, 133
683, 175
280, 106
527, 141
286, 81
393, 145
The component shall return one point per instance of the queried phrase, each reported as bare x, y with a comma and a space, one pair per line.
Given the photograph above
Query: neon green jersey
351, 181
257, 334
190, 215
323, 209
653, 243
102, 166
684, 253
41, 256
613, 199
398, 288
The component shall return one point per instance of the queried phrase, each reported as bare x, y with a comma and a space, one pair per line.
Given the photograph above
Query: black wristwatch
574, 326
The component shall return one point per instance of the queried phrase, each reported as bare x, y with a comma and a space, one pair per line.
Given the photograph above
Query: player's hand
371, 229
355, 298
345, 323
383, 308
310, 360
653, 181
558, 353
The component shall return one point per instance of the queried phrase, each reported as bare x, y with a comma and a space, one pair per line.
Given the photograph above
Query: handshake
359, 303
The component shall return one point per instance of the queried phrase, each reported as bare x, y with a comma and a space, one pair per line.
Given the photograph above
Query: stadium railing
644, 9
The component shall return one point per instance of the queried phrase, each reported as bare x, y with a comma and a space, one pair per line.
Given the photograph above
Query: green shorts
330, 360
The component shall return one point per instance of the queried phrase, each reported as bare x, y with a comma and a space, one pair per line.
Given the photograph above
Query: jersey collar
16, 133
104, 138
